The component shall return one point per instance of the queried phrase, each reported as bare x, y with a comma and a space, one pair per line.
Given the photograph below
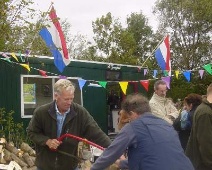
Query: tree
137, 25
105, 29
122, 45
15, 23
190, 24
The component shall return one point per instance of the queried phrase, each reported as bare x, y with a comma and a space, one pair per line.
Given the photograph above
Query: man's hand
53, 143
170, 117
117, 163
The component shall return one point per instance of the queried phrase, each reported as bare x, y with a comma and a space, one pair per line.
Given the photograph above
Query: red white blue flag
162, 55
55, 41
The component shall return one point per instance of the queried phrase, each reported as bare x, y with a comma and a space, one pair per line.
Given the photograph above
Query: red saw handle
79, 139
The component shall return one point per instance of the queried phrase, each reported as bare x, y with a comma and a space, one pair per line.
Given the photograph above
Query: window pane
37, 91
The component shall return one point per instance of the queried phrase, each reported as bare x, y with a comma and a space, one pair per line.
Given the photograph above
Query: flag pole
41, 20
153, 51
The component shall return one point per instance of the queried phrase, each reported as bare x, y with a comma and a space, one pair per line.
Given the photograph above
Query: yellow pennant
123, 86
26, 66
14, 56
177, 73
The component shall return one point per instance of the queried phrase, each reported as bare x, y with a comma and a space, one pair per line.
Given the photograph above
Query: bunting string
123, 84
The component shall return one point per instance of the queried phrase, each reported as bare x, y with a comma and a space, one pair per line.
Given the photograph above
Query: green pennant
6, 59
165, 72
21, 56
103, 83
208, 68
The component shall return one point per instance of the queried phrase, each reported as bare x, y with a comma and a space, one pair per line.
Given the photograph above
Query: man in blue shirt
152, 143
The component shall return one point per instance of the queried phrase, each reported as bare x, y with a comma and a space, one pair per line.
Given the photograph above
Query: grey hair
159, 82
136, 103
63, 84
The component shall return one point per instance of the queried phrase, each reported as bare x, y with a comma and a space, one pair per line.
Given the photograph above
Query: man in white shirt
160, 105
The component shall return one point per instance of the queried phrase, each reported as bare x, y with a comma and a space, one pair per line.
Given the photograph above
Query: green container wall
94, 99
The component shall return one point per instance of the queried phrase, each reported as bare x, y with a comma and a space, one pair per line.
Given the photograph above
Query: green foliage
12, 131
180, 88
117, 44
18, 30
137, 25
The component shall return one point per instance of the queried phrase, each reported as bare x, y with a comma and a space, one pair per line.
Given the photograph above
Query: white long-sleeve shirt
163, 108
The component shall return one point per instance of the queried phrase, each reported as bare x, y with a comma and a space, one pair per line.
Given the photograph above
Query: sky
81, 13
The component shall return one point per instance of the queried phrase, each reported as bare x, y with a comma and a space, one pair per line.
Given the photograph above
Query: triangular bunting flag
167, 80
145, 71
165, 72
123, 86
145, 84
19, 53
62, 77
27, 52
43, 73
103, 83
201, 72
187, 75
26, 66
208, 68
6, 59
94, 85
14, 56
177, 72
5, 55
155, 73
81, 83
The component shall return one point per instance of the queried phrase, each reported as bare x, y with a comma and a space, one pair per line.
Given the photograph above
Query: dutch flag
55, 41
162, 55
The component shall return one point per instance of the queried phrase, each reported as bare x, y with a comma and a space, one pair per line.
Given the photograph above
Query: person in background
199, 148
123, 119
59, 117
152, 142
191, 102
179, 104
113, 100
160, 105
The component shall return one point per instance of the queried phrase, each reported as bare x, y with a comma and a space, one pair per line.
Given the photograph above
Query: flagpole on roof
153, 50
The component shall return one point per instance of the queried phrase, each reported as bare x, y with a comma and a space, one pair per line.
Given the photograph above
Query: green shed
22, 90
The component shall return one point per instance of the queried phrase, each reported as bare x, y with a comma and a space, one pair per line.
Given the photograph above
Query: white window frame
53, 82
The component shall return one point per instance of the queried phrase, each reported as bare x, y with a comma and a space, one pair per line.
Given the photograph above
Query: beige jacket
163, 108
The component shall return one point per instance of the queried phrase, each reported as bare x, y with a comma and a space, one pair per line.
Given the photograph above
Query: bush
10, 130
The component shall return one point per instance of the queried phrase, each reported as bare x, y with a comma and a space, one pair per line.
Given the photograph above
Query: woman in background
191, 102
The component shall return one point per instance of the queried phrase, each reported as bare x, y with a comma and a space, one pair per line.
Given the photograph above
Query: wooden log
7, 155
11, 148
33, 168
28, 159
2, 160
18, 160
33, 158
11, 156
29, 168
25, 168
26, 148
